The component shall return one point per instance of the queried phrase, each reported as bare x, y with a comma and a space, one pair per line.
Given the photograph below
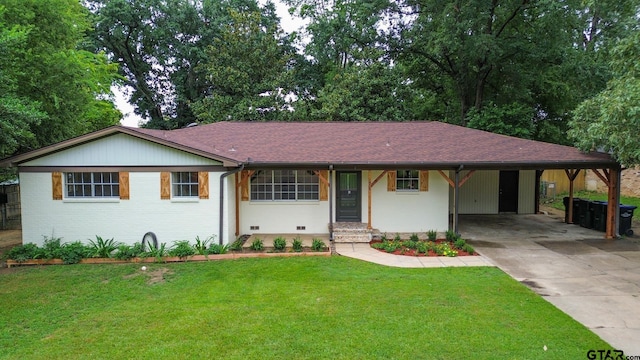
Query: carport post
456, 199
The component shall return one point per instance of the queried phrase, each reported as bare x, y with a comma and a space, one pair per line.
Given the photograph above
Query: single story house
232, 178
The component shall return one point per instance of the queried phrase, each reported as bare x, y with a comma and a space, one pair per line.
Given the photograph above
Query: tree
247, 71
52, 89
610, 120
160, 45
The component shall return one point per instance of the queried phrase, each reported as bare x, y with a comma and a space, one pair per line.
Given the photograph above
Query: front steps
351, 232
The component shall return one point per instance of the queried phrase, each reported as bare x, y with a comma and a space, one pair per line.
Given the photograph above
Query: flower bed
451, 247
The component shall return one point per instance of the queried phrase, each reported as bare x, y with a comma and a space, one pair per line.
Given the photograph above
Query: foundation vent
254, 227
301, 228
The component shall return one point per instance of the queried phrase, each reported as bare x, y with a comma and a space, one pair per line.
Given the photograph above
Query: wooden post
571, 174
238, 175
369, 200
612, 207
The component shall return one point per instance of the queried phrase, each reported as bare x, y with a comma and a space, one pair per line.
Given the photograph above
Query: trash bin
576, 210
626, 215
585, 214
599, 215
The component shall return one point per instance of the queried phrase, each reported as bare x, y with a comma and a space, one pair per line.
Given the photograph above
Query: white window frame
284, 185
185, 184
88, 185
408, 180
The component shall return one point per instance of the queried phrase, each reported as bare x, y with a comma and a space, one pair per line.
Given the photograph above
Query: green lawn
592, 195
280, 308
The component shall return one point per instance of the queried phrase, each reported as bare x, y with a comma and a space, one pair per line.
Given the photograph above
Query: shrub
217, 249
297, 244
431, 235
182, 249
445, 249
414, 237
102, 248
127, 252
423, 247
201, 245
279, 244
22, 253
318, 245
257, 244
459, 243
469, 249
397, 237
391, 246
450, 235
72, 253
157, 252
411, 244
236, 245
51, 249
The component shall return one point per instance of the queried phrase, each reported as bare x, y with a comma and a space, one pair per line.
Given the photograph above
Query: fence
555, 182
10, 211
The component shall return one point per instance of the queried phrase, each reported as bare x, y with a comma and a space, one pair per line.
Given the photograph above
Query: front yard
307, 307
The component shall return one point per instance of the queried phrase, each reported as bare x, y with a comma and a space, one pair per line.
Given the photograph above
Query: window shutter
391, 180
323, 185
165, 185
244, 185
56, 185
123, 180
203, 185
424, 180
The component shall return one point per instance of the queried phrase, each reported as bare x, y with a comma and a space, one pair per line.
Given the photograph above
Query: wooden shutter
323, 178
203, 185
123, 180
56, 185
391, 180
165, 185
424, 180
244, 185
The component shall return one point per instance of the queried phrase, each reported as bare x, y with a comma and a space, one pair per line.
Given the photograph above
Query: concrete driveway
594, 280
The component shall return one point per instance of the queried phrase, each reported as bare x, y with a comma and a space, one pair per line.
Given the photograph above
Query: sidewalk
363, 251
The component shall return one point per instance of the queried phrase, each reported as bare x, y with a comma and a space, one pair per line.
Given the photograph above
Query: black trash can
576, 210
626, 215
599, 215
585, 215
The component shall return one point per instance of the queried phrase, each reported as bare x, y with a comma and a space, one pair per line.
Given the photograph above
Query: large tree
610, 121
161, 44
56, 90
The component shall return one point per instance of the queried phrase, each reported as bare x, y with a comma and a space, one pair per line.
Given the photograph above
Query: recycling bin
626, 215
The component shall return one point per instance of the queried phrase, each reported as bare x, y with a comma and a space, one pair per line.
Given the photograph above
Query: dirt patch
157, 276
9, 239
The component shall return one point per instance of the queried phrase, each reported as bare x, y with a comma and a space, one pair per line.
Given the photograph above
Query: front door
348, 196
508, 196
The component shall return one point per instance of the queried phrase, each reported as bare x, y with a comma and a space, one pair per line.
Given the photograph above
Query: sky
289, 24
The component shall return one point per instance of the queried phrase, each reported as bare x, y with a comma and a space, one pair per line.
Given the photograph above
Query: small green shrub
318, 245
51, 249
297, 244
431, 235
411, 244
397, 237
157, 252
102, 248
127, 252
72, 253
22, 253
384, 237
217, 249
236, 245
279, 244
379, 245
391, 246
459, 243
414, 237
469, 249
450, 235
182, 249
257, 244
423, 247
443, 249
201, 246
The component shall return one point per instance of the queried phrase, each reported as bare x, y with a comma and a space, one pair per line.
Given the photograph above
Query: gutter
221, 217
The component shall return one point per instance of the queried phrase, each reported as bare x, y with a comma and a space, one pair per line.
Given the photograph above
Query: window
407, 180
284, 185
184, 184
92, 184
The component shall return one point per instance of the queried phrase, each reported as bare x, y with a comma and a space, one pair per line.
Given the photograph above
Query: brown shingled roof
373, 145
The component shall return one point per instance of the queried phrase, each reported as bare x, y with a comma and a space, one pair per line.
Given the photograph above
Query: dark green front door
348, 196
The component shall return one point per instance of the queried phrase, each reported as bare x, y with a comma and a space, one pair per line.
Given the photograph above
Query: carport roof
354, 145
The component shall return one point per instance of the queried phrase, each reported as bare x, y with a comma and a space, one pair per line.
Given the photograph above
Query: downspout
222, 177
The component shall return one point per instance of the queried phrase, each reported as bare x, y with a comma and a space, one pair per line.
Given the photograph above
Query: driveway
594, 280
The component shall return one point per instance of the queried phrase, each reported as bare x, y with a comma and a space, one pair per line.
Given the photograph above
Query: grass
592, 195
285, 308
